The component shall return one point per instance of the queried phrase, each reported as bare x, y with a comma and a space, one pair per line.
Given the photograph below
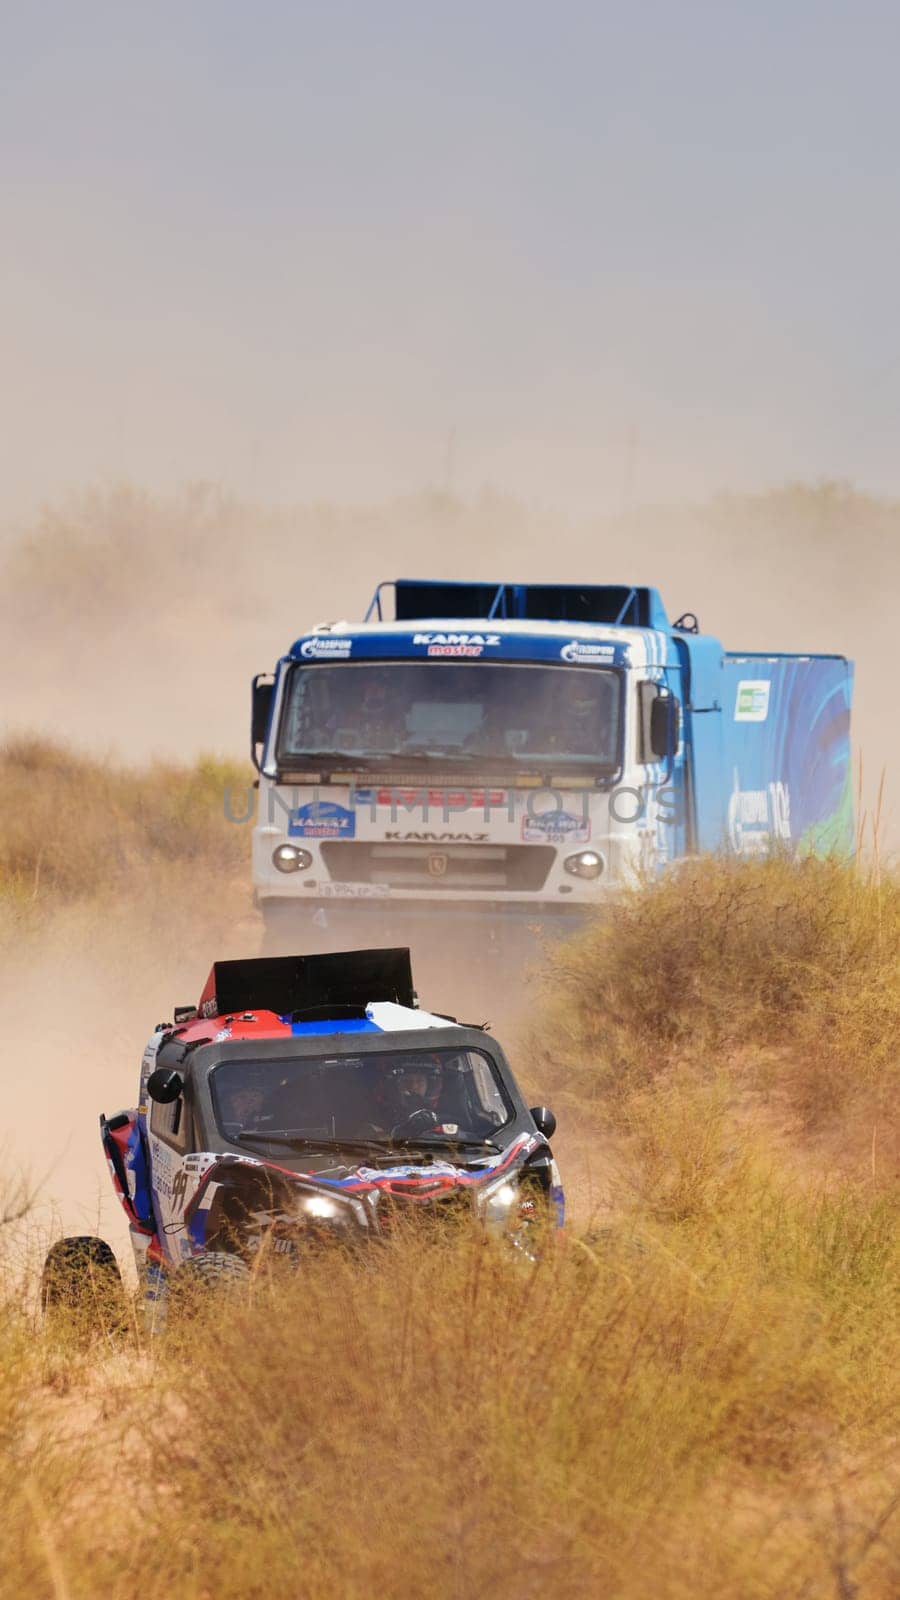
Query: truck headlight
290, 858
587, 864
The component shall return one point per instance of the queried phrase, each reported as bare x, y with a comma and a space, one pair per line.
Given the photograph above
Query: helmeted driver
245, 1102
409, 1093
420, 1083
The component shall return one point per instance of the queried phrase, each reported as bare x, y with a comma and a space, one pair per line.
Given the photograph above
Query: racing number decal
179, 1190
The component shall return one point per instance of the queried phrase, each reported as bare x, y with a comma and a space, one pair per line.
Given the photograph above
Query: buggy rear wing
288, 984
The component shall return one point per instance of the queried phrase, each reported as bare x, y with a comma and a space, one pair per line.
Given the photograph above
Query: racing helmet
246, 1092
420, 1079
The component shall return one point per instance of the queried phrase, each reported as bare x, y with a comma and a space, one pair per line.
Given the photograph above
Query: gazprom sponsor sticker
587, 653
752, 701
322, 819
555, 827
326, 647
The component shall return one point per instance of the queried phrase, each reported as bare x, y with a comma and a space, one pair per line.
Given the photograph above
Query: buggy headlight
499, 1198
290, 858
321, 1207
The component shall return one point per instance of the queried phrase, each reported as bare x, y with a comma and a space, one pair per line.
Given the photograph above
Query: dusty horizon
133, 622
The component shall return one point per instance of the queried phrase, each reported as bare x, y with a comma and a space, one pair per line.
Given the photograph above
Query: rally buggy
306, 1100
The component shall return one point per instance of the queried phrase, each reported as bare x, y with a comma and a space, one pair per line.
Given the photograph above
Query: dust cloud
132, 624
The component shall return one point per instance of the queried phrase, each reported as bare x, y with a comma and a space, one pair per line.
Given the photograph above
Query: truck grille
437, 866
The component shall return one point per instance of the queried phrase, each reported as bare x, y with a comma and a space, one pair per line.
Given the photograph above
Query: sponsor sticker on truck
555, 827
326, 647
322, 819
752, 702
585, 653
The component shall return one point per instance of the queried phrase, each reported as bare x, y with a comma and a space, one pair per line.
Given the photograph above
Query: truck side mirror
164, 1085
663, 726
544, 1120
261, 710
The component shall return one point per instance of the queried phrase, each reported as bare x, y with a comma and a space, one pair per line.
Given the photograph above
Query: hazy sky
587, 252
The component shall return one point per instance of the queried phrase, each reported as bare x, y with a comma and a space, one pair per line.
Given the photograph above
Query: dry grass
76, 828
707, 1411
792, 967
698, 1401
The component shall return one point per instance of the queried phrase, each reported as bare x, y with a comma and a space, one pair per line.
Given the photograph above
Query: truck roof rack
616, 604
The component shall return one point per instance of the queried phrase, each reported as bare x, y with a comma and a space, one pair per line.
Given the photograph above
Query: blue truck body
470, 783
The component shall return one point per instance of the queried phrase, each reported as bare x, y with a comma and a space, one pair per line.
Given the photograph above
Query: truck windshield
502, 716
451, 1094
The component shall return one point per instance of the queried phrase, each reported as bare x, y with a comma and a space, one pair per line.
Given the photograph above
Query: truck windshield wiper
451, 752
337, 758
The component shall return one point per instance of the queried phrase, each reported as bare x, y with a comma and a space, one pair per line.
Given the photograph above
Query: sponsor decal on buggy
757, 817
322, 819
161, 1166
457, 644
555, 827
587, 654
326, 647
435, 1171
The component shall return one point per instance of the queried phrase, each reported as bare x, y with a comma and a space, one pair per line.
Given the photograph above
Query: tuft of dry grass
724, 959
698, 1400
661, 1411
76, 828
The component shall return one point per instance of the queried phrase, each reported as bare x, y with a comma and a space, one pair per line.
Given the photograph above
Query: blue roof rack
617, 605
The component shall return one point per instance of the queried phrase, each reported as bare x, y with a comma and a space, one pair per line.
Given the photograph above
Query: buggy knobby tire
81, 1279
215, 1269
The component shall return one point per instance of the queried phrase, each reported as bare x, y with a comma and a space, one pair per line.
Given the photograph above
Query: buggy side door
174, 1175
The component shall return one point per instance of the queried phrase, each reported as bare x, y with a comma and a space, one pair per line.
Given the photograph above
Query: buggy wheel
81, 1281
215, 1272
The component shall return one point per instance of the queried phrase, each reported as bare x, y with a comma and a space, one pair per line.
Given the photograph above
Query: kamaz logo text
457, 644
483, 641
438, 838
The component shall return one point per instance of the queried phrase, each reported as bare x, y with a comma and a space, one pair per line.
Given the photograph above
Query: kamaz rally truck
518, 751
307, 1101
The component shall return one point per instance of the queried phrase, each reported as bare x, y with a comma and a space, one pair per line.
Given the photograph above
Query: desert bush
801, 957
700, 1399
663, 1411
78, 827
